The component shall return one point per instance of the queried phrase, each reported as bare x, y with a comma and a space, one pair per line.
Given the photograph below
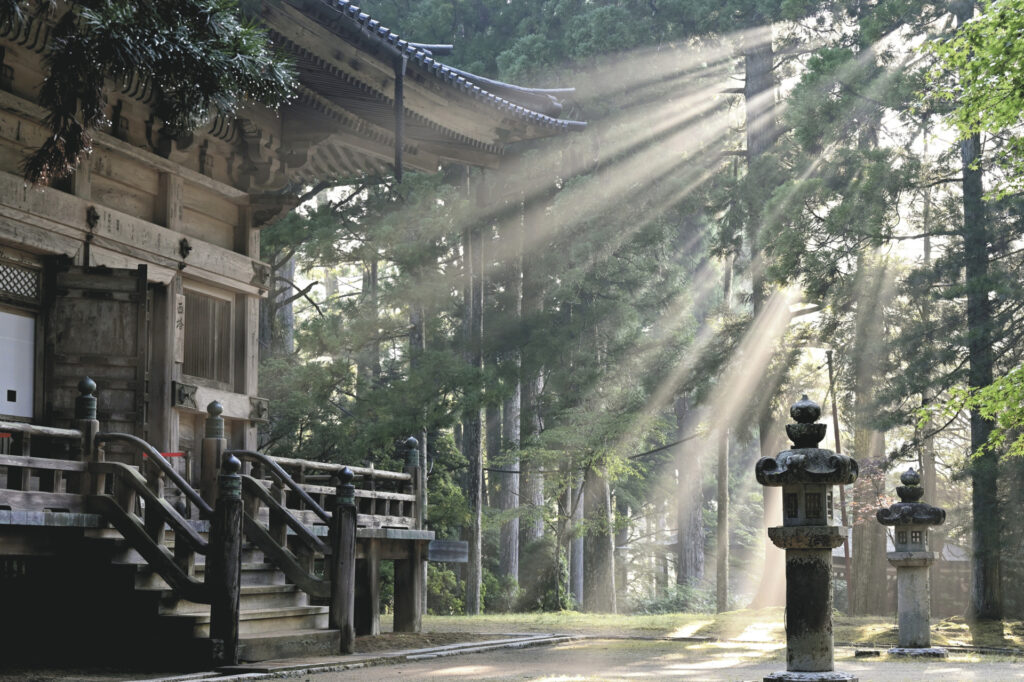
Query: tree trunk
531, 482
689, 498
758, 91
417, 348
277, 317
986, 585
508, 491
508, 497
576, 542
598, 549
868, 562
929, 470
368, 359
620, 556
471, 430
661, 559
492, 439
722, 550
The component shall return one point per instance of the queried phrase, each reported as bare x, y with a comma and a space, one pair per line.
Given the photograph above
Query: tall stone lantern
808, 533
910, 519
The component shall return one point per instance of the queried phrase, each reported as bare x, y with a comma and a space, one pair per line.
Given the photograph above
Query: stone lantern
910, 519
808, 533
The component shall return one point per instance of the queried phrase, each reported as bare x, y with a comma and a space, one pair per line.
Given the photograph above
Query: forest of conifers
595, 342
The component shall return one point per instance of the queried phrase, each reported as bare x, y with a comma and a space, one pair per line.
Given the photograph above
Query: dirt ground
735, 646
603, 659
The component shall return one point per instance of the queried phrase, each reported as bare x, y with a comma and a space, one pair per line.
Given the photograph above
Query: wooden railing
384, 499
284, 507
38, 483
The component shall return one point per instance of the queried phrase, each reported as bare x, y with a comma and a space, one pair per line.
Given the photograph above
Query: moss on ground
764, 625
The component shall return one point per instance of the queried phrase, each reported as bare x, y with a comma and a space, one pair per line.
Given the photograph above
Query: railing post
154, 520
343, 561
409, 574
412, 467
214, 445
224, 564
86, 422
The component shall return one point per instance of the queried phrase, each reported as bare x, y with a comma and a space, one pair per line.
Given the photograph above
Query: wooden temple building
142, 272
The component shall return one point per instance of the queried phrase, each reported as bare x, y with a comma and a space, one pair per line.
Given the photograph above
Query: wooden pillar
86, 422
409, 574
408, 590
224, 564
214, 445
368, 590
343, 561
413, 468
154, 520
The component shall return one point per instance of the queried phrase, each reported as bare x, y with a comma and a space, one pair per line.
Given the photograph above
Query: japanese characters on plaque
179, 328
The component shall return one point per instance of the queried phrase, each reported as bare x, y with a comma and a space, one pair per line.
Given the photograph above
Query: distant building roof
352, 70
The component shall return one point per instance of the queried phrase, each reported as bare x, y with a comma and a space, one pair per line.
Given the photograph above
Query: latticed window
207, 337
18, 282
814, 505
791, 503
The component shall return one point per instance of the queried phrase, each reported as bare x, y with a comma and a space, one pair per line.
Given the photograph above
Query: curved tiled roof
535, 106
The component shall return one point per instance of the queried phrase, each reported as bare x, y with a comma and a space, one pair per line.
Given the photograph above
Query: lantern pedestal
910, 519
806, 474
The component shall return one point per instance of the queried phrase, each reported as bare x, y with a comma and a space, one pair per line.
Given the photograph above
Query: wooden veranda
270, 556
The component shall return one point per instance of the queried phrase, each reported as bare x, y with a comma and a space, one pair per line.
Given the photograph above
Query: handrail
156, 555
47, 431
284, 559
285, 478
205, 510
381, 474
182, 528
253, 487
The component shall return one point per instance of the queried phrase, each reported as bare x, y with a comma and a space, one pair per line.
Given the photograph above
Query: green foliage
1001, 402
688, 598
198, 56
500, 593
544, 563
443, 591
981, 72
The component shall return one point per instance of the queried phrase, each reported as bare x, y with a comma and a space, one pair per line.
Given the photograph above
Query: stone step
253, 573
120, 553
272, 645
260, 621
147, 580
253, 597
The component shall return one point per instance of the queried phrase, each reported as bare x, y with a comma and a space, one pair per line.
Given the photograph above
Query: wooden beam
61, 219
41, 501
169, 206
30, 110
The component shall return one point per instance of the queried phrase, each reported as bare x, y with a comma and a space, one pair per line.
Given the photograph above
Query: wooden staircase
276, 618
258, 565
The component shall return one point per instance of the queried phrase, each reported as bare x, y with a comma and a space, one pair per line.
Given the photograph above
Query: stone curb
298, 669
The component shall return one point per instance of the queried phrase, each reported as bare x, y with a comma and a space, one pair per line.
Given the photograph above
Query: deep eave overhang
350, 60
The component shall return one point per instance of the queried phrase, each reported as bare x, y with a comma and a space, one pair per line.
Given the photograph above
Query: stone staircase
276, 617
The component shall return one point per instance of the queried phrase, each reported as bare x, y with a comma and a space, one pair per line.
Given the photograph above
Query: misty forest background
597, 341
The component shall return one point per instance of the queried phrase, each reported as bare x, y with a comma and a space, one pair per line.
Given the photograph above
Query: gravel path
632, 659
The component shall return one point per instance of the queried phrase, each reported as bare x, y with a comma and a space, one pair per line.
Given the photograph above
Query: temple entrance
97, 325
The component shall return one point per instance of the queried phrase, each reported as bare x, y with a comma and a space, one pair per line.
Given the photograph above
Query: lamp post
808, 534
910, 519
